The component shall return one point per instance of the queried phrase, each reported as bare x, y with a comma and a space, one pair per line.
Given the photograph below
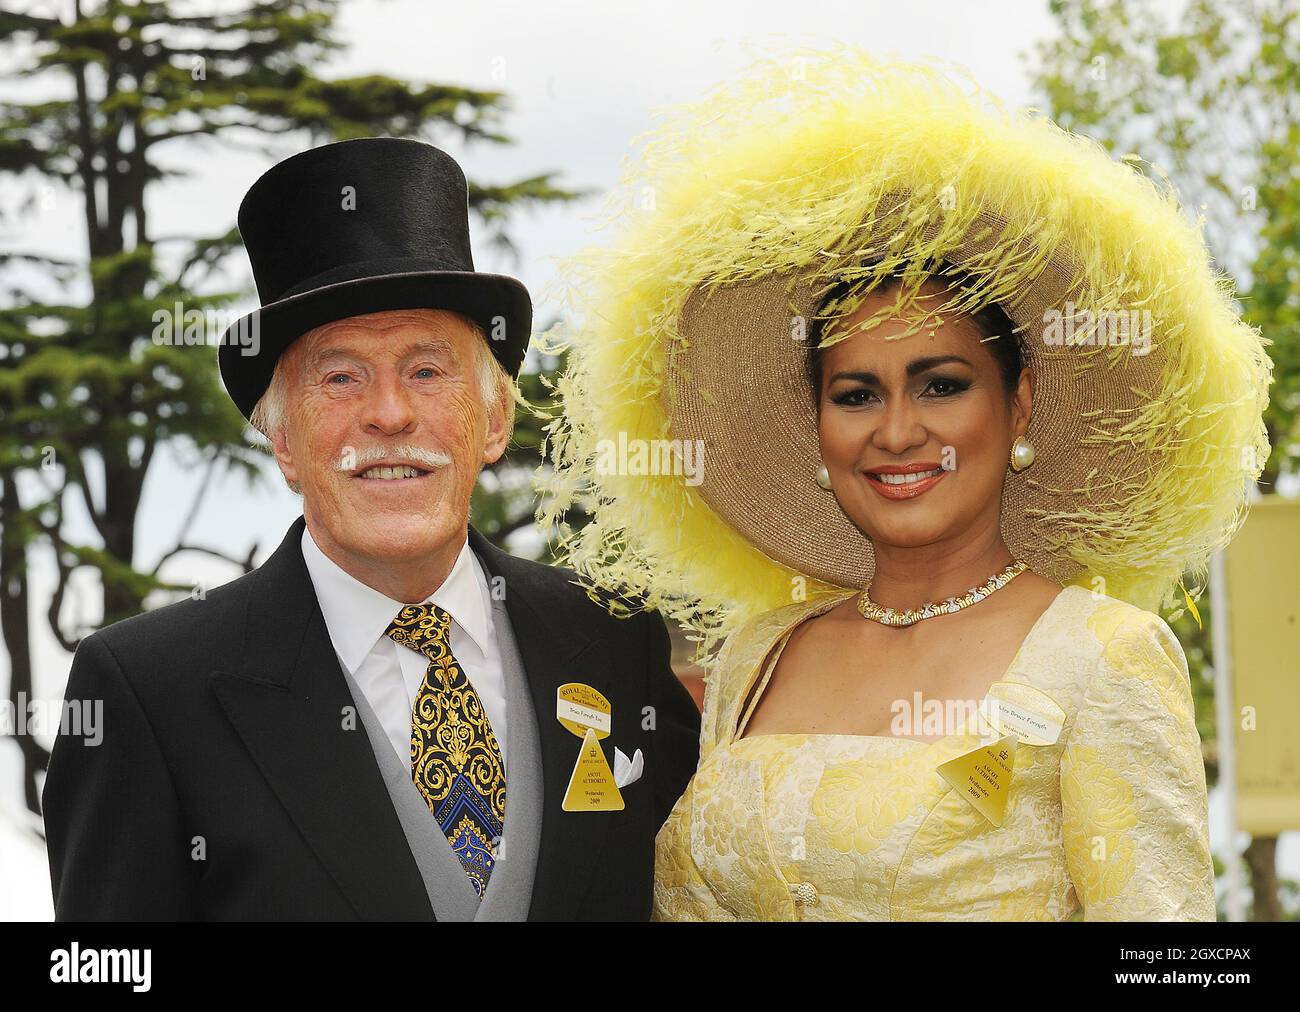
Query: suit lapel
568, 839
288, 705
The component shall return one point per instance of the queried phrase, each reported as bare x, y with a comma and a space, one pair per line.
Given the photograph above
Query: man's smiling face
386, 428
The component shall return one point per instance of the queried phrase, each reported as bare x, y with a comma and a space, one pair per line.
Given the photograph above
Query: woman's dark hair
991, 320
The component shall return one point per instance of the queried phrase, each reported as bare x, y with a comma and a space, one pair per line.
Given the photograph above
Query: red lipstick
889, 480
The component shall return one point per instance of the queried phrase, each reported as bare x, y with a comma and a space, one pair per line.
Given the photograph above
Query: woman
971, 402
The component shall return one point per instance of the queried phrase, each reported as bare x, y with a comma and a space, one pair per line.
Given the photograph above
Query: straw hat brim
744, 209
738, 382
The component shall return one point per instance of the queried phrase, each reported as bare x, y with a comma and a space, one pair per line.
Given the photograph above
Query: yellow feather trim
776, 171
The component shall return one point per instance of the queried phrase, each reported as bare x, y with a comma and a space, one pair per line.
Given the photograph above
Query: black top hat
359, 227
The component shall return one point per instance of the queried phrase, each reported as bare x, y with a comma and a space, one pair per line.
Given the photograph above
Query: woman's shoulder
1111, 622
756, 634
1115, 643
1086, 636
745, 649
1089, 620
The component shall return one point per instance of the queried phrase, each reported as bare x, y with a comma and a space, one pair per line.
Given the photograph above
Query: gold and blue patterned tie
455, 760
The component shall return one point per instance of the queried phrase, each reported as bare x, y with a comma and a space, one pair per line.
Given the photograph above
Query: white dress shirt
390, 675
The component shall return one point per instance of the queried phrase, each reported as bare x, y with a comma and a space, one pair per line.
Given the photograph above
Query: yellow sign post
1255, 595
1262, 576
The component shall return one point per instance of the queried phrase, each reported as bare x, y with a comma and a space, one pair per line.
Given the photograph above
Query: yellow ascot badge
983, 775
586, 713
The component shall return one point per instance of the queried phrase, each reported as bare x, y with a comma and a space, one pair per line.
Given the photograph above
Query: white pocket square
627, 771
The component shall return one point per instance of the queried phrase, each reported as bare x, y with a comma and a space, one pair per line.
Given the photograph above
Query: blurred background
130, 131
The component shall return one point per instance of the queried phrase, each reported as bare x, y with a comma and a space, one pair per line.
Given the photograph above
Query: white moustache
418, 456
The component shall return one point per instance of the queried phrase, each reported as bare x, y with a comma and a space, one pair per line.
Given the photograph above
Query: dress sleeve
677, 729
1133, 796
680, 892
715, 705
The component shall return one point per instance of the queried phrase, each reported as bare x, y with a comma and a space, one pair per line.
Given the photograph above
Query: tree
1215, 102
506, 501
86, 395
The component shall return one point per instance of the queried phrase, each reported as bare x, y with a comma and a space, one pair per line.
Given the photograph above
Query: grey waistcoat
510, 889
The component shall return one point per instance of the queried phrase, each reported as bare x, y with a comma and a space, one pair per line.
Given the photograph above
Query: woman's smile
904, 481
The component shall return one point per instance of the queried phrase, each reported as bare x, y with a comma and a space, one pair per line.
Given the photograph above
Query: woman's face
932, 404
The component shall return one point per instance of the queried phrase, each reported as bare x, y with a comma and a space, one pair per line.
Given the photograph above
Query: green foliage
1213, 105
89, 385
506, 497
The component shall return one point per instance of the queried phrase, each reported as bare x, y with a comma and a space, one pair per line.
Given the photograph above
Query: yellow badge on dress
983, 776
586, 713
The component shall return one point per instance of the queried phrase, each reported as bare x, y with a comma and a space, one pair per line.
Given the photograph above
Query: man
369, 725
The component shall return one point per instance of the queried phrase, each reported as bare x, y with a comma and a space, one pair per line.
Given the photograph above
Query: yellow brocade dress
1112, 817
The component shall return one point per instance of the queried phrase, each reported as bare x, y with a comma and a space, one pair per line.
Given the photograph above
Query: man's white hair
270, 413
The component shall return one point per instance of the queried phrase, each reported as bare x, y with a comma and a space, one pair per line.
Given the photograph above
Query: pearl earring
824, 477
1022, 454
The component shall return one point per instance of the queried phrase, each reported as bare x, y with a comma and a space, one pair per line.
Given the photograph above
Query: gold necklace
888, 616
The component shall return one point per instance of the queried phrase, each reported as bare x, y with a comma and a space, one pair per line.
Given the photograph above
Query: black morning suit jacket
223, 740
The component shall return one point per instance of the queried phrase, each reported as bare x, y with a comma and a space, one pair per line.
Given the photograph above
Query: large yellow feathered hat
745, 209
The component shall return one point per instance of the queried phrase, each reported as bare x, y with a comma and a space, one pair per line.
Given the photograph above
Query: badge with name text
1007, 717
585, 712
983, 776
579, 707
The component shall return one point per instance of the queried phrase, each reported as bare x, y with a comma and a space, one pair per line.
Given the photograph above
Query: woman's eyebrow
914, 367
922, 364
862, 377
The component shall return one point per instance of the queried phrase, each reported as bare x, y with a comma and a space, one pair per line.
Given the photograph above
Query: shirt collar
356, 615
